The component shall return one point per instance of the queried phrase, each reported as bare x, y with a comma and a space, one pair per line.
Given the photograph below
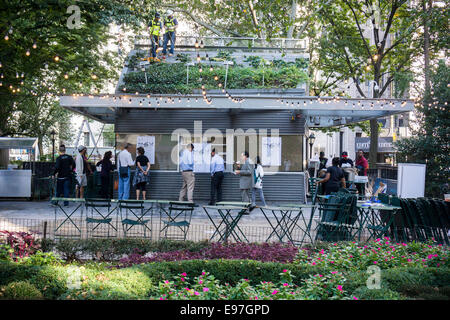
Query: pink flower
184, 274
375, 262
331, 261
256, 298
166, 282
200, 282
333, 272
203, 273
196, 293
313, 263
274, 292
182, 279
355, 298
409, 260
285, 270
205, 289
320, 276
339, 287
285, 284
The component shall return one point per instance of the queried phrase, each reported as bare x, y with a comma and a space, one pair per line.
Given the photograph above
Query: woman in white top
258, 175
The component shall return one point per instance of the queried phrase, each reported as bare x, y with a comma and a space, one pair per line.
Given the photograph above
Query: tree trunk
426, 43
373, 151
4, 158
293, 14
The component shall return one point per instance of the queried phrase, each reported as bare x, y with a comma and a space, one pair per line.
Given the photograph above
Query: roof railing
218, 42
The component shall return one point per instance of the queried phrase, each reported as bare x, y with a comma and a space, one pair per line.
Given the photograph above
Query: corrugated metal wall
277, 187
166, 185
166, 121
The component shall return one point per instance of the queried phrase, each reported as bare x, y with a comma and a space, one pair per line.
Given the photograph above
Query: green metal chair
337, 218
100, 212
177, 218
132, 215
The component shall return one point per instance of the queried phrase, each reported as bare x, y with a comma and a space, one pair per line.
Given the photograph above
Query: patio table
79, 205
373, 221
286, 221
229, 217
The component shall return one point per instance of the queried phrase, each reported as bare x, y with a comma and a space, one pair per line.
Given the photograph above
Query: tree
431, 141
344, 52
53, 47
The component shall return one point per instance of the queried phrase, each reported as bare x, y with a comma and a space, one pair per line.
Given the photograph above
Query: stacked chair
337, 218
421, 219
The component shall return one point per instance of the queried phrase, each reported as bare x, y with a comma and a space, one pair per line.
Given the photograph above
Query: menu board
148, 143
271, 151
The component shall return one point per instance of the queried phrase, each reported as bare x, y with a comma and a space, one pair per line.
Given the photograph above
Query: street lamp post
311, 140
53, 134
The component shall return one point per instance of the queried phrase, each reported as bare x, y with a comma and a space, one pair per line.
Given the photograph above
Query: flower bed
214, 271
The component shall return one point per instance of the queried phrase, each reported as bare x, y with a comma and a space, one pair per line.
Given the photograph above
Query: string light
27, 53
34, 45
56, 58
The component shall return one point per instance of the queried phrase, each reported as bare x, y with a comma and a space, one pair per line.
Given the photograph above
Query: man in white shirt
217, 167
125, 162
187, 172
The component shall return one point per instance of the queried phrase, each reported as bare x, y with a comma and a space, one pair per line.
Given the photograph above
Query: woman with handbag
258, 175
142, 176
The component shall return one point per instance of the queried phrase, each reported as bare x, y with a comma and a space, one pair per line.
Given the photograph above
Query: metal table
375, 223
79, 206
286, 220
230, 217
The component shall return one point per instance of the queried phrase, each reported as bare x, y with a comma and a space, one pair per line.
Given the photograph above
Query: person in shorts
142, 173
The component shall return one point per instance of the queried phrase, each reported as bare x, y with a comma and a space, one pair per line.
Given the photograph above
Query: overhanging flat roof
318, 112
17, 143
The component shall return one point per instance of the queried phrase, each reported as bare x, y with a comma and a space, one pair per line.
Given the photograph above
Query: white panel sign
411, 180
271, 151
148, 143
202, 157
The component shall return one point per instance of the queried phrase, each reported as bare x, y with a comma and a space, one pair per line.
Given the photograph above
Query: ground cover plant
187, 270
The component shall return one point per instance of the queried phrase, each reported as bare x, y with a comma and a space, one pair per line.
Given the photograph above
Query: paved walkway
44, 210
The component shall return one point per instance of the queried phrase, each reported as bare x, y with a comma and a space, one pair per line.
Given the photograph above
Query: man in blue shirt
187, 172
217, 167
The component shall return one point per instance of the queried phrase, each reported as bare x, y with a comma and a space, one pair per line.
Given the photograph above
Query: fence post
45, 235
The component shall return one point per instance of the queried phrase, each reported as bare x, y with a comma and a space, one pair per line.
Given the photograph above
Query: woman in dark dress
333, 178
107, 167
142, 176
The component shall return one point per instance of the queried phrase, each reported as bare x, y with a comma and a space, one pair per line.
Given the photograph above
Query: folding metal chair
132, 215
337, 218
99, 212
178, 218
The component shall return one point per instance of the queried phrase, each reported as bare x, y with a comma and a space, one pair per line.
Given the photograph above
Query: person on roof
170, 26
155, 29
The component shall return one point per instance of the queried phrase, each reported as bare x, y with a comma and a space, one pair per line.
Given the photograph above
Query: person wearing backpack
258, 175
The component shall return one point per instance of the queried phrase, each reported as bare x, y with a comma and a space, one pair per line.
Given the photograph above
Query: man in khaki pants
187, 171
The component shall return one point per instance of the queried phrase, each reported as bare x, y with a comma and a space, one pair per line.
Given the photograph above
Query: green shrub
364, 293
41, 259
6, 252
21, 290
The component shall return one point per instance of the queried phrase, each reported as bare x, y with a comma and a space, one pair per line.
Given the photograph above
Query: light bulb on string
66, 76
6, 37
56, 58
34, 45
27, 53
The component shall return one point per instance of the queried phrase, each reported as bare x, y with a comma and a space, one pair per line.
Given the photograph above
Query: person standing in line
322, 161
217, 167
125, 161
170, 25
333, 177
259, 174
82, 169
246, 180
362, 165
187, 172
63, 171
105, 174
142, 176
